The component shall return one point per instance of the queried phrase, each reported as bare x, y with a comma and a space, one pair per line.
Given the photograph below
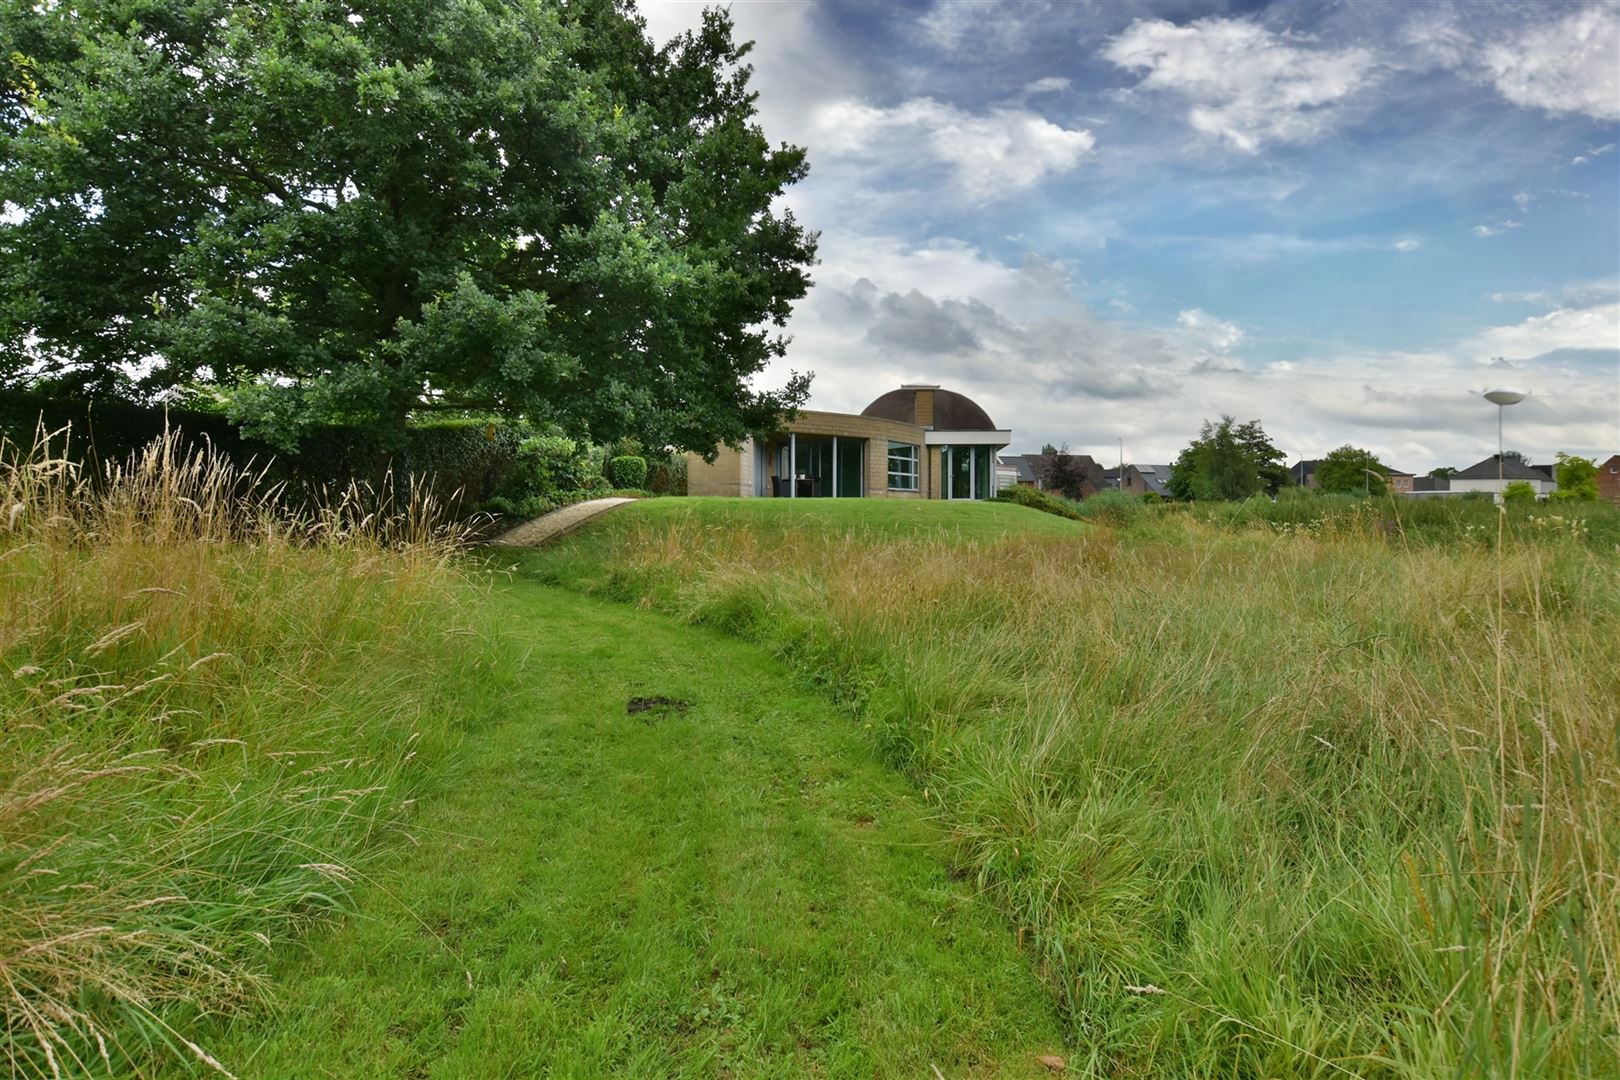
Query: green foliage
1350, 470
1519, 491
1228, 461
1061, 471
463, 461
1577, 479
1036, 499
1114, 509
628, 470
548, 471
344, 219
667, 473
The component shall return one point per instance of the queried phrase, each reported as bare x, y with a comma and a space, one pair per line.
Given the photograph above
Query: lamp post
1502, 399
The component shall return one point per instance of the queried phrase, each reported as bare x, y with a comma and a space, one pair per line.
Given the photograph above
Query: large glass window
903, 470
960, 471
826, 467
969, 472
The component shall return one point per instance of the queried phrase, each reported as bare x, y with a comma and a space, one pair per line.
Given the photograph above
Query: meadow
1316, 796
213, 711
1305, 789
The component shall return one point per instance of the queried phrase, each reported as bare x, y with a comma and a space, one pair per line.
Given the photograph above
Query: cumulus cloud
1596, 327
1208, 331
989, 154
1564, 65
1019, 340
1243, 83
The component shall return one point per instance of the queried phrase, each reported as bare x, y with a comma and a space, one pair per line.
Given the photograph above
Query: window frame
910, 453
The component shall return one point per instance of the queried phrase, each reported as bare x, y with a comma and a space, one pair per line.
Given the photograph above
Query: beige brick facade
733, 471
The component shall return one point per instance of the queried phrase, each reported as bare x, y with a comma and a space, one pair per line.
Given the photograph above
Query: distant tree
1228, 460
1061, 471
1351, 470
330, 212
1516, 455
1519, 491
1577, 479
1444, 472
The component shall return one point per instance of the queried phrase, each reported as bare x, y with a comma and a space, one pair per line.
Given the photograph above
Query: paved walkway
550, 526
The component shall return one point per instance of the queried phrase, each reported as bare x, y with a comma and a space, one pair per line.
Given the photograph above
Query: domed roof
952, 411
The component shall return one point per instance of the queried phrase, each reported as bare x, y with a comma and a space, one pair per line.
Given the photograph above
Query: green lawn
876, 518
737, 889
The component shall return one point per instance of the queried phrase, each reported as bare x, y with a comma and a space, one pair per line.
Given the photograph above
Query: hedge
465, 460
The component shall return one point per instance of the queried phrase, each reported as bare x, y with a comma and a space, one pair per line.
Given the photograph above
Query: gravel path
550, 526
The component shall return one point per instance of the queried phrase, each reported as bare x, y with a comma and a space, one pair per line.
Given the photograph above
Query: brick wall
1608, 480
732, 473
729, 474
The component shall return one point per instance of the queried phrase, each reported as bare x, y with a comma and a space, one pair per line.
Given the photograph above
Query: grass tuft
211, 708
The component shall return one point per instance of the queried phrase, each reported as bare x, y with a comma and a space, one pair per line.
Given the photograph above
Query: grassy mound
1269, 802
864, 519
213, 711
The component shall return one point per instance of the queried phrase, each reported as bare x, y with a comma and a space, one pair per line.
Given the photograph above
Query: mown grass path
736, 889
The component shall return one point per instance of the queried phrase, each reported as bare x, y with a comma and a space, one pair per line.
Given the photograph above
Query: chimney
922, 403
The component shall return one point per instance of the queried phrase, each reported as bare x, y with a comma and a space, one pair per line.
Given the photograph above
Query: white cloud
1243, 83
1535, 296
1596, 327
1049, 85
1484, 231
1562, 65
1020, 341
1524, 199
1210, 332
989, 154
1592, 152
1408, 244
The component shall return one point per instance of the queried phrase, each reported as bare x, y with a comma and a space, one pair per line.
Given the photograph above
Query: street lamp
1501, 399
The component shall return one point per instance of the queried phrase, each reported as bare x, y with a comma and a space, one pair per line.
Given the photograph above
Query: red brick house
1608, 480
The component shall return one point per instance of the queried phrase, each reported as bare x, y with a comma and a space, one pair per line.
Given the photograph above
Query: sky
1112, 221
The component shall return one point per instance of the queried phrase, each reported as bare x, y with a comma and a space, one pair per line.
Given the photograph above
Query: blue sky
1113, 220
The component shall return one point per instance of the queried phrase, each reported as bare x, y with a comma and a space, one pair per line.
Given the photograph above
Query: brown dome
952, 411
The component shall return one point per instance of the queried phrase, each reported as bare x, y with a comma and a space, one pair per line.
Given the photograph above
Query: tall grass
211, 708
1263, 803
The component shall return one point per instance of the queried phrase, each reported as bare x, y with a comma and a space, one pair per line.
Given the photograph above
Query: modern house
1147, 480
1493, 476
917, 442
1608, 480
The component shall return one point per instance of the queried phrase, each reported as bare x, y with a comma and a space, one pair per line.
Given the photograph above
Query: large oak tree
357, 211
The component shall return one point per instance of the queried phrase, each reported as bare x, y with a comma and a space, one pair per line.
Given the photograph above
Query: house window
903, 470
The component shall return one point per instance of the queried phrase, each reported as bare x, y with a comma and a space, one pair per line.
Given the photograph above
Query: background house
1488, 476
1147, 480
1608, 480
1032, 471
1303, 473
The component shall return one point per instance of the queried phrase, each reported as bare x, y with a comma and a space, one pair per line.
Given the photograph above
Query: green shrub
1519, 491
666, 474
1114, 508
628, 470
1036, 499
